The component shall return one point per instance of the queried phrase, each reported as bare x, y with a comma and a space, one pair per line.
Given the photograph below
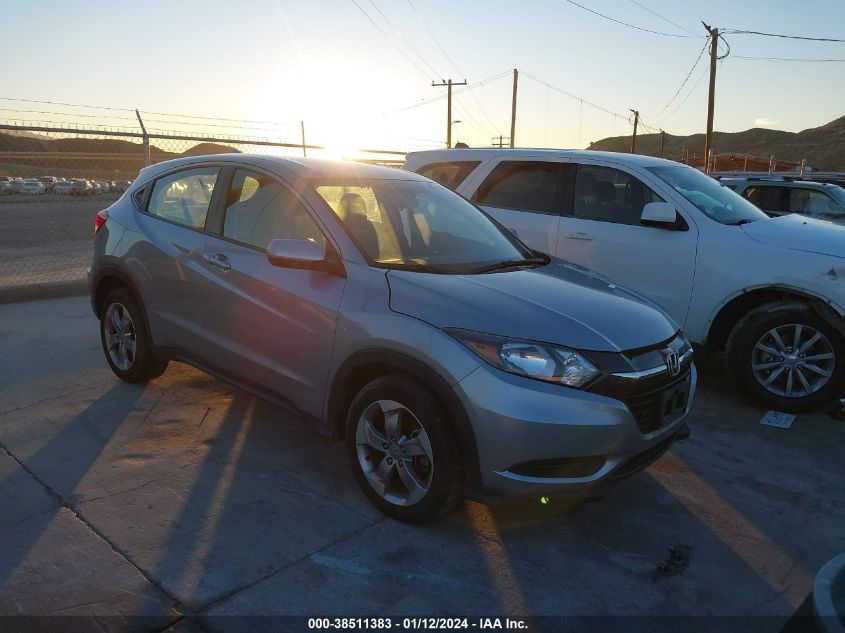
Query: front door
276, 325
601, 230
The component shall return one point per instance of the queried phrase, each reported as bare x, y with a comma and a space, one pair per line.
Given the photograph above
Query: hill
823, 147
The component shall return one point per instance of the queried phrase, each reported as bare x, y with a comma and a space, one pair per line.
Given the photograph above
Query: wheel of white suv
403, 450
787, 357
127, 347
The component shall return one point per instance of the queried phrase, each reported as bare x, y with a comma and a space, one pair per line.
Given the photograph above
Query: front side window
610, 195
184, 197
772, 199
449, 174
708, 196
523, 186
260, 209
813, 203
418, 225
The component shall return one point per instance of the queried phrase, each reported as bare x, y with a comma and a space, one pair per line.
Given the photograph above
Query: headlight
541, 361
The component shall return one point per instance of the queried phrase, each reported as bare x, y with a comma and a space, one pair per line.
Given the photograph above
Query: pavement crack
58, 499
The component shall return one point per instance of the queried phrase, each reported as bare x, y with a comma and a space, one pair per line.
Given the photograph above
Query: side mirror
306, 254
659, 212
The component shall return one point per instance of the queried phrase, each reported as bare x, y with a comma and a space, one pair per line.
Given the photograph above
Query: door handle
579, 236
218, 260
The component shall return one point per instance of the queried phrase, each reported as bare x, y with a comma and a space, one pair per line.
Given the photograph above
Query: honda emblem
673, 363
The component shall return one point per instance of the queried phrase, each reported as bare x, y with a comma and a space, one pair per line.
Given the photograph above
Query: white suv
769, 291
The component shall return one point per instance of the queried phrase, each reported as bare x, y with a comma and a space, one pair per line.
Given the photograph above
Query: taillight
100, 220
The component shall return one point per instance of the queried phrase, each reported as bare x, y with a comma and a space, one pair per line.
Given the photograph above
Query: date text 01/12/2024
417, 623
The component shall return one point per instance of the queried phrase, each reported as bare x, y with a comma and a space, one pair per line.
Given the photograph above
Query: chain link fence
53, 180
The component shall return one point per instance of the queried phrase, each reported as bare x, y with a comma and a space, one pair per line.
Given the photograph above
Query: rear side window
523, 186
811, 202
449, 174
260, 209
774, 199
184, 197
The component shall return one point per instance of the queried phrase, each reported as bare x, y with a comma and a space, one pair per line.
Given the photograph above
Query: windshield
714, 200
418, 225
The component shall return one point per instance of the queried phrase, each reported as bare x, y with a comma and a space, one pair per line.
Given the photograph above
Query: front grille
648, 407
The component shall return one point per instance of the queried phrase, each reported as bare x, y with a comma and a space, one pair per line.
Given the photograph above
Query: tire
123, 320
765, 339
423, 449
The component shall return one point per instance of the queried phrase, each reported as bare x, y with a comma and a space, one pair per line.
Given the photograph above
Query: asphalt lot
187, 496
46, 239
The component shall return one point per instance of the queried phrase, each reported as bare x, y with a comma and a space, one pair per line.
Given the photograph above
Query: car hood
799, 233
559, 303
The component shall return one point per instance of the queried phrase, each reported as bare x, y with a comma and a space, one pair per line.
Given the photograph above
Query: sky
359, 72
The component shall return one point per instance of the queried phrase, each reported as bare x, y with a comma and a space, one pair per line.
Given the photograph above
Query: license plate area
674, 401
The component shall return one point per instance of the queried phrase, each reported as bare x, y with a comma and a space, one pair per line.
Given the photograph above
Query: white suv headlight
541, 361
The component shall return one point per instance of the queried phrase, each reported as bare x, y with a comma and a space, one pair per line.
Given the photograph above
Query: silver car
395, 314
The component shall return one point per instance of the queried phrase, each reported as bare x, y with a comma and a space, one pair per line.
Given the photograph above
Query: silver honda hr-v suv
395, 314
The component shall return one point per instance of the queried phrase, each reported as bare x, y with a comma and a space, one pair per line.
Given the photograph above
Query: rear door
525, 196
272, 325
175, 209
601, 229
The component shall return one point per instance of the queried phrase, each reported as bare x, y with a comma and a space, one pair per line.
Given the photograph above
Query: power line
390, 39
664, 18
686, 79
576, 97
456, 92
684, 100
631, 26
450, 60
786, 59
788, 37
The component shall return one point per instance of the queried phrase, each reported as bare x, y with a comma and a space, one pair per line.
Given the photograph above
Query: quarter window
610, 195
184, 197
523, 186
449, 174
260, 209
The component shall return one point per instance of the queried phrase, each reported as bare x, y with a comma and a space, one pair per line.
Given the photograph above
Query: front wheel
402, 449
787, 357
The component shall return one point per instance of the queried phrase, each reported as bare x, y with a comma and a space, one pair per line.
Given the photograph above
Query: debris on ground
778, 419
678, 560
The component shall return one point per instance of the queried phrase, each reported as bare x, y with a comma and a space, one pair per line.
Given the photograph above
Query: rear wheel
123, 333
402, 449
787, 357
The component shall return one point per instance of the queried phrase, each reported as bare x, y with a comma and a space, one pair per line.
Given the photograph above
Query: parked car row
524, 337
51, 184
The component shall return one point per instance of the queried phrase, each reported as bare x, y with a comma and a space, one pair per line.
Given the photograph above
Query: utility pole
634, 137
500, 141
145, 140
449, 84
662, 143
302, 127
513, 105
708, 137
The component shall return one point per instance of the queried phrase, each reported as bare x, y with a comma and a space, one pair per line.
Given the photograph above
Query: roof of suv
305, 168
487, 153
775, 181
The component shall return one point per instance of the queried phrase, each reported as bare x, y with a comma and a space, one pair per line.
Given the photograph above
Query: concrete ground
187, 496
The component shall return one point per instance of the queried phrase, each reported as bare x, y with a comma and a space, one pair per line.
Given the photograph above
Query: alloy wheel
394, 452
120, 336
793, 360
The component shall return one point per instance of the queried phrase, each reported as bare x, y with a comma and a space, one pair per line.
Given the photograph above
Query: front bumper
536, 438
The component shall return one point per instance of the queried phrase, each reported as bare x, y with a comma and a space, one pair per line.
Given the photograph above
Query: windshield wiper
511, 263
417, 268
739, 222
